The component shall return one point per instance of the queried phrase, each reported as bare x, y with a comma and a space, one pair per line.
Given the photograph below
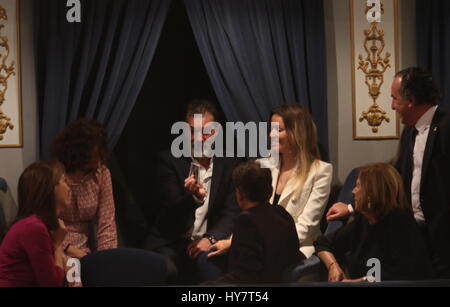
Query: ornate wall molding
374, 63
10, 87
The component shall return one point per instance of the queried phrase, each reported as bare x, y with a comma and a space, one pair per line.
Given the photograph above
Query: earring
369, 204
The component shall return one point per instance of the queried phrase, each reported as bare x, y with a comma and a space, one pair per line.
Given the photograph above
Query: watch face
211, 239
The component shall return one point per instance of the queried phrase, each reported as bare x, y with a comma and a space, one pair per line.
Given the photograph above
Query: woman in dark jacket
382, 233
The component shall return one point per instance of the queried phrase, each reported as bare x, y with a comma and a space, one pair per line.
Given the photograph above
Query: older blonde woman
300, 180
383, 229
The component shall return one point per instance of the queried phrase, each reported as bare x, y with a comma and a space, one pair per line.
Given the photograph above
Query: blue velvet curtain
433, 42
260, 54
96, 68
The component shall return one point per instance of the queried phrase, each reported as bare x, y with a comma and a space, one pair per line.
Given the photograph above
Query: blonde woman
384, 229
301, 181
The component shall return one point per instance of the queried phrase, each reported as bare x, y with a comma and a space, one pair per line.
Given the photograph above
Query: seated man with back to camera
265, 242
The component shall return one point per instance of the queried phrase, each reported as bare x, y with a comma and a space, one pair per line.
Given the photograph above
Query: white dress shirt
201, 223
423, 129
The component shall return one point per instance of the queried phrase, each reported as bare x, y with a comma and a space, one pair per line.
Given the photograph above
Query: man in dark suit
265, 241
196, 209
424, 159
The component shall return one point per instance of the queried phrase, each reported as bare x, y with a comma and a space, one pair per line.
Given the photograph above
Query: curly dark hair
419, 83
75, 145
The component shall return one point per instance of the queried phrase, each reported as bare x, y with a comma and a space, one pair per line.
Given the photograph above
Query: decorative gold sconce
374, 66
5, 72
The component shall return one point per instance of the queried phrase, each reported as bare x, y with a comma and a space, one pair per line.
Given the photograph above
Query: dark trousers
441, 266
181, 267
183, 270
210, 269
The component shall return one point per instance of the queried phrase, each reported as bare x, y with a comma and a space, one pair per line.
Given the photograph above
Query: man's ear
412, 102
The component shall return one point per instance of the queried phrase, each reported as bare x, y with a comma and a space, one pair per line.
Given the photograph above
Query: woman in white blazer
300, 180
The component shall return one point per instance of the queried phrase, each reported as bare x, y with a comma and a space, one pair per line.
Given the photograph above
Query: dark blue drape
96, 68
433, 42
261, 54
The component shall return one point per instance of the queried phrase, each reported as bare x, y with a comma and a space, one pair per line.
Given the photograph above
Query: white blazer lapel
288, 190
306, 189
292, 196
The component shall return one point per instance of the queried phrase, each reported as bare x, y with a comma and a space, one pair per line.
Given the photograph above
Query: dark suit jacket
177, 214
435, 184
265, 243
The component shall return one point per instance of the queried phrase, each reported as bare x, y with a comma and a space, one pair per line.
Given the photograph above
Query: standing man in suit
265, 241
423, 161
196, 211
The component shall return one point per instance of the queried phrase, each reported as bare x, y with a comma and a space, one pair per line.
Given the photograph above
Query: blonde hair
381, 189
302, 136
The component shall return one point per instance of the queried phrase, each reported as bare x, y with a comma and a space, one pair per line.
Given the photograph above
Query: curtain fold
96, 68
261, 54
433, 42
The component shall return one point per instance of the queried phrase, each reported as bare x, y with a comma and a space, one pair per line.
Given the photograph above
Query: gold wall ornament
374, 65
6, 71
374, 60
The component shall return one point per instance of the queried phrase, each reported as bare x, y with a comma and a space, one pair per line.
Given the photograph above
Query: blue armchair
123, 267
311, 269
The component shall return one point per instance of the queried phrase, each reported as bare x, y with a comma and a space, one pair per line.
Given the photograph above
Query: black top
264, 244
276, 199
395, 240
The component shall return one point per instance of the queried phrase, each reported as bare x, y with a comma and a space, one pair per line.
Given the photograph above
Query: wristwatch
210, 237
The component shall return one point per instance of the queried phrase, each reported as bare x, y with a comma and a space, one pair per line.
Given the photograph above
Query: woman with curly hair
81, 147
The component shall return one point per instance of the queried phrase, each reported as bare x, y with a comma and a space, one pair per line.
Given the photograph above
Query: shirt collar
425, 120
211, 162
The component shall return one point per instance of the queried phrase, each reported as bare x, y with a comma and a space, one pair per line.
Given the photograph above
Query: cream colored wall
345, 152
13, 161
